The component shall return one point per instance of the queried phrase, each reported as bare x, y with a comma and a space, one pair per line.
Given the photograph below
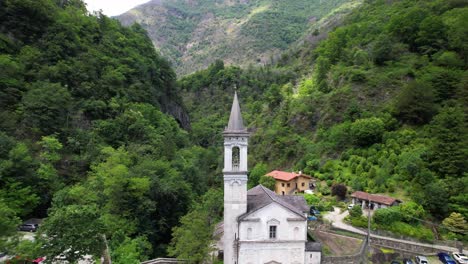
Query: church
260, 227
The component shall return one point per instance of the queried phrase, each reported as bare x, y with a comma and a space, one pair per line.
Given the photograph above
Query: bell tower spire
236, 124
235, 170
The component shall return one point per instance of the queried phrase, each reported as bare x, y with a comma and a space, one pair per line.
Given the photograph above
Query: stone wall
163, 261
406, 247
356, 258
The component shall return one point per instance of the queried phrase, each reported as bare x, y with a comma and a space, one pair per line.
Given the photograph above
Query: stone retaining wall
407, 247
163, 261
356, 258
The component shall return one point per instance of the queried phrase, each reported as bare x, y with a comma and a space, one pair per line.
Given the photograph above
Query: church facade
260, 227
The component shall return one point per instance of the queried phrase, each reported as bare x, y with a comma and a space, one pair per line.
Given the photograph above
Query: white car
421, 260
351, 206
3, 257
460, 257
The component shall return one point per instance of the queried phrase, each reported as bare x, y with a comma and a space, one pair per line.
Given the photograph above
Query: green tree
456, 223
367, 131
322, 66
8, 224
131, 251
46, 107
411, 212
256, 173
268, 182
73, 231
192, 240
387, 216
382, 49
339, 190
436, 198
415, 104
449, 154
355, 212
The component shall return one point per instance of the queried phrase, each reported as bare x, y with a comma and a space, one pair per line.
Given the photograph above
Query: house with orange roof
291, 182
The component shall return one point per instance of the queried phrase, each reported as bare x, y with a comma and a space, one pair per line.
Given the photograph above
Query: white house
260, 227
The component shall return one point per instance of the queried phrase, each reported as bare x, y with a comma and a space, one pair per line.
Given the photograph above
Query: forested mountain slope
193, 34
380, 105
83, 139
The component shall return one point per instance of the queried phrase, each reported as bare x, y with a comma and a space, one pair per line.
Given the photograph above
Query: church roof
259, 197
236, 124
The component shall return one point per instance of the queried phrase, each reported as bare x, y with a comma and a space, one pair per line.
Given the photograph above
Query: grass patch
326, 250
348, 234
387, 250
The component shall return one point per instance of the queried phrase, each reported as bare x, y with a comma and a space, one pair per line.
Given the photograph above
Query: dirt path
336, 219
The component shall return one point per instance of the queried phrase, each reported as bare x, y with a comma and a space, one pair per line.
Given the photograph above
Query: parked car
28, 227
460, 258
39, 260
351, 206
421, 260
3, 257
407, 261
22, 260
445, 258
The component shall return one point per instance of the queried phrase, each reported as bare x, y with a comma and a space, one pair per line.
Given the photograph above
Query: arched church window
235, 158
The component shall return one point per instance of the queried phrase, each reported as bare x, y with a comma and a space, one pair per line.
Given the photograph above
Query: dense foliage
380, 105
83, 140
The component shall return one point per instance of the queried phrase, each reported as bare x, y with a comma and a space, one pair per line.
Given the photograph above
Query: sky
113, 7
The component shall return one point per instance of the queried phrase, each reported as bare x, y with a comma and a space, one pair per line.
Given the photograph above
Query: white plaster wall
261, 253
288, 247
235, 204
312, 258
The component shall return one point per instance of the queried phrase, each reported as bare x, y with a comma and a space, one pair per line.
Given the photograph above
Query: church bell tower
235, 179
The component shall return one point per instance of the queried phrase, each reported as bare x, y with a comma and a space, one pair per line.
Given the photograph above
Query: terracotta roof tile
285, 176
374, 198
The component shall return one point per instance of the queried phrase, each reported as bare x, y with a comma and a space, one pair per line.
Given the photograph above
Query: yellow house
290, 182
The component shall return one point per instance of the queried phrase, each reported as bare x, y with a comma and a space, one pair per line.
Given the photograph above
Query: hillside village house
373, 201
291, 182
259, 226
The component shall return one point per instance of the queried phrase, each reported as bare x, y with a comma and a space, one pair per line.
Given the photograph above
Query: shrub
387, 216
355, 212
359, 221
367, 131
417, 231
339, 190
311, 199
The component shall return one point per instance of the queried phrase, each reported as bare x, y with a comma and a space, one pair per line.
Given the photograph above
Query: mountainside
380, 105
193, 34
376, 100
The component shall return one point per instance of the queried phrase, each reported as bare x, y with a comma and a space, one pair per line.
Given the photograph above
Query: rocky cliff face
194, 33
179, 113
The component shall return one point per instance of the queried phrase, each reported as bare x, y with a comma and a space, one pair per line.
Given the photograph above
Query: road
336, 220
